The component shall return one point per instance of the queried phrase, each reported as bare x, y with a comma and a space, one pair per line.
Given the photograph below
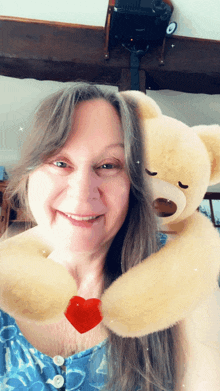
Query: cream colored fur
33, 286
168, 285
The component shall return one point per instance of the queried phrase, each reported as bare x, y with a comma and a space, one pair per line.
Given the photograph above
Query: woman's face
79, 198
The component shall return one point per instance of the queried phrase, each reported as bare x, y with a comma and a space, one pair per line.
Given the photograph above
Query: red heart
83, 314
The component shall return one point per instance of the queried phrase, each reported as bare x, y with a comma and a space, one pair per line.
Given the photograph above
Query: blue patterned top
161, 239
23, 367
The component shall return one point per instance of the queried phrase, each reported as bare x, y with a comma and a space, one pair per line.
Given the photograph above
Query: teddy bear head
180, 161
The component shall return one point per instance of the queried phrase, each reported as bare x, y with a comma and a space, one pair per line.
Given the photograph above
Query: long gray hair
147, 362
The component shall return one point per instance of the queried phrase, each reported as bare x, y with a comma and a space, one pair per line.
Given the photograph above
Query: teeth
83, 218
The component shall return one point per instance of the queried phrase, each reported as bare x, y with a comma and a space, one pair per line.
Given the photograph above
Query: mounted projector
140, 22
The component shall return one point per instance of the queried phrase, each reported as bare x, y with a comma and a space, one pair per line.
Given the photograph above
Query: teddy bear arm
166, 286
31, 285
198, 348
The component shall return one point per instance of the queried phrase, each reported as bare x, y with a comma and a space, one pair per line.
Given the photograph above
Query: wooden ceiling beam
67, 52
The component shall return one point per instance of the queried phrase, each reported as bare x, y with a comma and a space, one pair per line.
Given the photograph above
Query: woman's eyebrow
115, 145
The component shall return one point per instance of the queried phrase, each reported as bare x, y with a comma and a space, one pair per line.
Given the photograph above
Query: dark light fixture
139, 25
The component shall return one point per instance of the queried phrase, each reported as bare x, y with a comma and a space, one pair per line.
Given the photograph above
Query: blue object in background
3, 174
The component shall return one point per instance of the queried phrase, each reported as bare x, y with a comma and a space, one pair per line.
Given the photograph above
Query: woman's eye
60, 164
108, 169
60, 167
108, 166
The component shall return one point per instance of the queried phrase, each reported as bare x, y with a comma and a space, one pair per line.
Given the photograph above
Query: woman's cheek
41, 189
119, 193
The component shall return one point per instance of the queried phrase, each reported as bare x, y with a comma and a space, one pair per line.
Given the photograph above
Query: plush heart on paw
83, 314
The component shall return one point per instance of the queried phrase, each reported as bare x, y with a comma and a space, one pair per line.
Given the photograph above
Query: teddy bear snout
164, 207
168, 201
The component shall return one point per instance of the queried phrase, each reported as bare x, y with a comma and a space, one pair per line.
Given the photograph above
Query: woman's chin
74, 242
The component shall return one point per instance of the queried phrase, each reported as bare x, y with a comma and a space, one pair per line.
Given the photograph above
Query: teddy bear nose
164, 207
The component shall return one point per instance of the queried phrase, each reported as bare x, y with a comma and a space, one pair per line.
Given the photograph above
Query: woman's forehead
96, 119
105, 108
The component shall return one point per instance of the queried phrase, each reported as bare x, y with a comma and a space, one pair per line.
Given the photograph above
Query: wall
69, 11
197, 18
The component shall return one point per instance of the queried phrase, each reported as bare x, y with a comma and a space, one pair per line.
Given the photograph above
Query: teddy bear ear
210, 136
146, 106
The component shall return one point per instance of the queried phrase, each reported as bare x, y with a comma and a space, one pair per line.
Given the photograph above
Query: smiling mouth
82, 218
81, 221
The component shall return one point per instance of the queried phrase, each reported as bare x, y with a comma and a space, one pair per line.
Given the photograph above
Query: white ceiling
195, 18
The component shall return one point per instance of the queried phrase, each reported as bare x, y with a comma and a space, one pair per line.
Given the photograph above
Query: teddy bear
180, 162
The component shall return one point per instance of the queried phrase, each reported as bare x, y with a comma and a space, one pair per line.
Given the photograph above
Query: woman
81, 180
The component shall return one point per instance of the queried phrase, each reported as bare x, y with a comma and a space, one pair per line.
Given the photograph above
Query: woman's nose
84, 185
